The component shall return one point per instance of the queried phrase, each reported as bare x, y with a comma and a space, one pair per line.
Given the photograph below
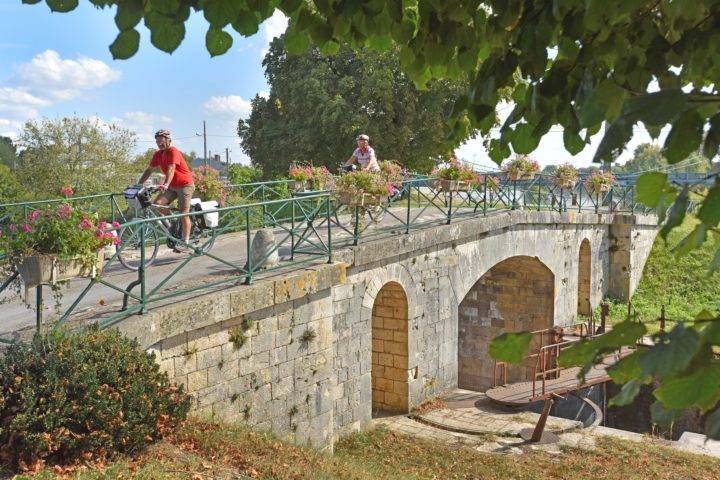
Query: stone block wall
270, 369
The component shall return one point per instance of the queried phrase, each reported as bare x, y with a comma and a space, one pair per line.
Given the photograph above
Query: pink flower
26, 227
117, 242
67, 191
99, 233
13, 228
34, 215
85, 224
116, 225
64, 211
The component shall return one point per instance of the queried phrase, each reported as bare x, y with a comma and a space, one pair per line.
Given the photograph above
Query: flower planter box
599, 188
359, 199
566, 184
455, 185
520, 175
299, 185
49, 269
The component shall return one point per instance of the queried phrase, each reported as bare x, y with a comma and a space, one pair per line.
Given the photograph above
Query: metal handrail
312, 232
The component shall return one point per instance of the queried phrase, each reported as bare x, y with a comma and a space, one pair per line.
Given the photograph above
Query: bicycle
146, 235
345, 215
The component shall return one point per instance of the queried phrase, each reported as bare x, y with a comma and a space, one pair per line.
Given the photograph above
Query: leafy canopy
318, 104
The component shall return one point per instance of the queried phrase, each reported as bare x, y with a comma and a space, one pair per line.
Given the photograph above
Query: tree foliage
318, 104
8, 152
81, 153
648, 157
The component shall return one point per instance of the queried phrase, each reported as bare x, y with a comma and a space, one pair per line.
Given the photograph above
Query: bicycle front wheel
133, 240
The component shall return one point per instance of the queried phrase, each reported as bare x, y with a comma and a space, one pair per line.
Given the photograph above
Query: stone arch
584, 276
516, 294
389, 371
397, 279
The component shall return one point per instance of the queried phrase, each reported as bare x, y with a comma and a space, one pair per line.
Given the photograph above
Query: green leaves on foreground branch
684, 362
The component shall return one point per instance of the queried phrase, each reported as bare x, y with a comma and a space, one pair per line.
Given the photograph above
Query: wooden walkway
521, 393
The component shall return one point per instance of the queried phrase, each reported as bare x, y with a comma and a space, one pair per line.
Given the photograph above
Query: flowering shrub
321, 178
392, 172
455, 171
565, 175
72, 397
61, 230
599, 179
521, 163
300, 173
363, 181
209, 185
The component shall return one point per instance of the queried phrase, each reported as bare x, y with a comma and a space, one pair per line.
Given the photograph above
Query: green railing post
449, 214
141, 267
514, 199
38, 307
538, 197
292, 230
248, 279
485, 197
409, 204
328, 211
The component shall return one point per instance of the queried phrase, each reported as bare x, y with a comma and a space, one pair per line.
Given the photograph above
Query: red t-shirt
165, 158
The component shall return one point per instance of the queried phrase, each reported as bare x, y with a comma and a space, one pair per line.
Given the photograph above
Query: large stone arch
584, 278
515, 294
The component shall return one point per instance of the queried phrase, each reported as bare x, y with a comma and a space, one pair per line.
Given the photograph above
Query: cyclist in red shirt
178, 180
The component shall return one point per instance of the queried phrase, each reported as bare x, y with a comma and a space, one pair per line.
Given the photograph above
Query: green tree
238, 174
10, 188
648, 157
317, 105
8, 152
75, 152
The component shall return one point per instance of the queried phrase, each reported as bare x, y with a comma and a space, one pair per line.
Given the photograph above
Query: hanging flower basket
599, 188
300, 185
455, 185
50, 269
359, 199
567, 184
520, 175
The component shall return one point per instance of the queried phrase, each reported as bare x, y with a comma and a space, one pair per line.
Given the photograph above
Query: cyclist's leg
184, 195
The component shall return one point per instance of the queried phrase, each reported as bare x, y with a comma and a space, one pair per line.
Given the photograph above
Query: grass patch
202, 450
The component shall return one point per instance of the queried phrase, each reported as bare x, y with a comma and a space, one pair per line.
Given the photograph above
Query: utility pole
205, 144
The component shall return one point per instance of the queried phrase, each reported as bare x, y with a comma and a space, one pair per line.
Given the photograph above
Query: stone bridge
314, 353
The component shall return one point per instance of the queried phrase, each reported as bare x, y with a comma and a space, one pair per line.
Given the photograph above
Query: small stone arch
516, 294
584, 278
388, 306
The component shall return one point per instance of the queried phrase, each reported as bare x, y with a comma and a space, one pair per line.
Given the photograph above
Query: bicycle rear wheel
344, 216
377, 212
133, 240
203, 238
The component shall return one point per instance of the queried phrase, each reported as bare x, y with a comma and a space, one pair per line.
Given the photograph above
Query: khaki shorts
183, 195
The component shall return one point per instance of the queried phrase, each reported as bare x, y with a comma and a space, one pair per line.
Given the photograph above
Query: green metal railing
306, 226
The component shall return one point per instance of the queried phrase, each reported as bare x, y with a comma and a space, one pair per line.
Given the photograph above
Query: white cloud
273, 27
264, 94
58, 79
231, 107
20, 103
9, 128
143, 124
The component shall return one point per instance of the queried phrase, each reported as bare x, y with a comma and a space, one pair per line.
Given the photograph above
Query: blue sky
59, 64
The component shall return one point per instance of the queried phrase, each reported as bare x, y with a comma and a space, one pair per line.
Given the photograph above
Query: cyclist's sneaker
181, 248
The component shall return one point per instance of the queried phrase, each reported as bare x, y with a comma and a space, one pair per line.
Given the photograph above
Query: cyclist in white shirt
364, 154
